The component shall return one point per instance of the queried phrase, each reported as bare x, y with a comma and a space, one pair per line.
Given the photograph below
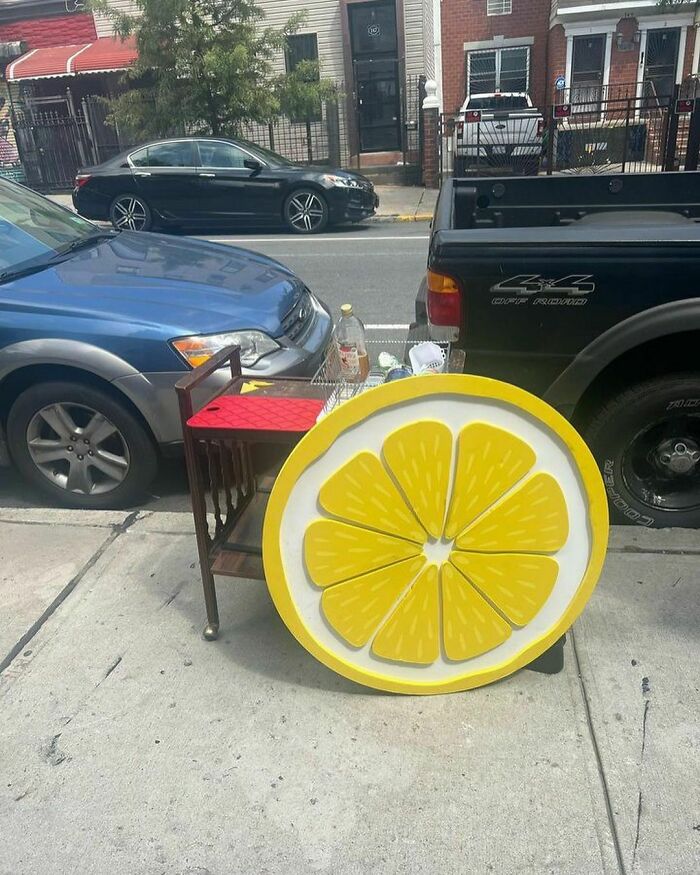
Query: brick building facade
492, 45
525, 45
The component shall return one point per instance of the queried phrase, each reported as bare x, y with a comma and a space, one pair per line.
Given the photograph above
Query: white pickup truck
498, 132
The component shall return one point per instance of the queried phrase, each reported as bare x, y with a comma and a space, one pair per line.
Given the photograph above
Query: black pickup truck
585, 291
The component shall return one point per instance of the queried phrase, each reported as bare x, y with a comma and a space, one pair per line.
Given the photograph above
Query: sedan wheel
306, 212
129, 213
78, 449
80, 445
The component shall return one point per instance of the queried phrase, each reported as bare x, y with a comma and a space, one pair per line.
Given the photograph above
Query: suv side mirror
253, 164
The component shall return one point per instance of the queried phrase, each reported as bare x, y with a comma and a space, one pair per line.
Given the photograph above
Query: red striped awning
105, 55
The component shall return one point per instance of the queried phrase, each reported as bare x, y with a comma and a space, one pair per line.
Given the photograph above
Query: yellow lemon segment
518, 585
419, 456
357, 607
335, 551
470, 626
490, 461
532, 518
411, 632
362, 492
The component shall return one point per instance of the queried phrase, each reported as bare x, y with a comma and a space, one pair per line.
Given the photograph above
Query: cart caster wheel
211, 632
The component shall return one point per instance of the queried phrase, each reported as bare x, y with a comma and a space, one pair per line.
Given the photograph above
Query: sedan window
140, 158
221, 155
179, 154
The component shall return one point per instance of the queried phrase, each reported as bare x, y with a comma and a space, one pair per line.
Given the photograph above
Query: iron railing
626, 128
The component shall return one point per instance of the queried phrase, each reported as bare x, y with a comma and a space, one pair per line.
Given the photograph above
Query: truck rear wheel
646, 440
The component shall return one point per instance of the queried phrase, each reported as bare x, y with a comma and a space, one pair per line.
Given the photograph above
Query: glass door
587, 72
660, 62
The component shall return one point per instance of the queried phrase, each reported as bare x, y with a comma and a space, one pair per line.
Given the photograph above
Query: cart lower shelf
240, 555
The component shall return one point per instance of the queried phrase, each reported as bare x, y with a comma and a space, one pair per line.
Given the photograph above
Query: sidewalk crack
38, 624
599, 760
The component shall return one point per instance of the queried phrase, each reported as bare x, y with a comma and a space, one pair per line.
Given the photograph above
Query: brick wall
58, 30
689, 48
624, 64
467, 21
556, 64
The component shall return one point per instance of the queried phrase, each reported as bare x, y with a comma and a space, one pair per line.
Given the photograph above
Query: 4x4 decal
571, 289
533, 283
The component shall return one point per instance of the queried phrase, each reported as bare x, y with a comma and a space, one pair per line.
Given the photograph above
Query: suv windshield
33, 230
498, 102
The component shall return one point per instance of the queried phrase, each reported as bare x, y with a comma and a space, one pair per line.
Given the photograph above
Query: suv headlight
201, 347
342, 181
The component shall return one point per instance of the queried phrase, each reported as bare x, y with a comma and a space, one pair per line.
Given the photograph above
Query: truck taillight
81, 179
460, 129
444, 306
540, 127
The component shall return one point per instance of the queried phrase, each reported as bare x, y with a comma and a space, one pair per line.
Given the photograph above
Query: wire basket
336, 389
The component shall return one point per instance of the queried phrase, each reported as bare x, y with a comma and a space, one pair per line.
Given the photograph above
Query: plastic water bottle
352, 347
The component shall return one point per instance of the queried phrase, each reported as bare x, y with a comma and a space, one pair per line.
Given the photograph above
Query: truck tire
80, 446
646, 440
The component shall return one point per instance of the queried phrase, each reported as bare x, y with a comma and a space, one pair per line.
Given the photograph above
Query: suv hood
172, 285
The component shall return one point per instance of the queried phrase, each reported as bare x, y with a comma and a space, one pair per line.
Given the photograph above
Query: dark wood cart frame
229, 479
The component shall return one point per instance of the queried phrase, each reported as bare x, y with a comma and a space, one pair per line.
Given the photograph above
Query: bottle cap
346, 309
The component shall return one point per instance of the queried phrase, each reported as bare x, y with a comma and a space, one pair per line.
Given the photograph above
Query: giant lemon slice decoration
435, 534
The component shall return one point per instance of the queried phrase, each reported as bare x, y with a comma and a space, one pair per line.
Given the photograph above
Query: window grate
505, 70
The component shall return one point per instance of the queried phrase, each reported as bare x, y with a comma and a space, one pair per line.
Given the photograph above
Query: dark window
166, 155
660, 65
587, 71
140, 158
300, 47
303, 47
498, 103
220, 155
373, 29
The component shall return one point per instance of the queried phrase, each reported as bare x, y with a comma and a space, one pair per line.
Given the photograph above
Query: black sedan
207, 181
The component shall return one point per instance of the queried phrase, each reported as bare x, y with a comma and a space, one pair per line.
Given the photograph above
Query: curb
409, 217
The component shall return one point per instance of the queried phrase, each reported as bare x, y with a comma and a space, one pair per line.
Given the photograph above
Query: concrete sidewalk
129, 744
397, 203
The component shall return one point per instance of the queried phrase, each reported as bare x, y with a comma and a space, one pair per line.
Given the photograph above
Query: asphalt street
376, 267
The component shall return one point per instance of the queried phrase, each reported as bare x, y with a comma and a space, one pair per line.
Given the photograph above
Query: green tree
302, 91
205, 66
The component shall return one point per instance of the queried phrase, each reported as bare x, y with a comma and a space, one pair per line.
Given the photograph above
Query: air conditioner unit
10, 51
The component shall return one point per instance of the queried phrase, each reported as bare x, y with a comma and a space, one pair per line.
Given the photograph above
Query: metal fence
314, 141
620, 129
586, 130
56, 139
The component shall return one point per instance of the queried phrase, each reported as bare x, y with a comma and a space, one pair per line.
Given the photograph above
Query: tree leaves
206, 66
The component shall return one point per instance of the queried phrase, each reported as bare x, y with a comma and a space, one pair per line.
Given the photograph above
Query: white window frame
600, 28
499, 7
498, 52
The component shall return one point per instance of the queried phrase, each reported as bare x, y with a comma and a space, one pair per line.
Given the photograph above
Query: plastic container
352, 346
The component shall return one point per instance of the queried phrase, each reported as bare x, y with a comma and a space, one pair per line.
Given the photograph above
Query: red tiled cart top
262, 413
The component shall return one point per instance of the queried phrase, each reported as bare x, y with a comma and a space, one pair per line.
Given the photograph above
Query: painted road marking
389, 326
310, 239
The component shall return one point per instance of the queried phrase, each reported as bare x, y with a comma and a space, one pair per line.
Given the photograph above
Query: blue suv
96, 328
